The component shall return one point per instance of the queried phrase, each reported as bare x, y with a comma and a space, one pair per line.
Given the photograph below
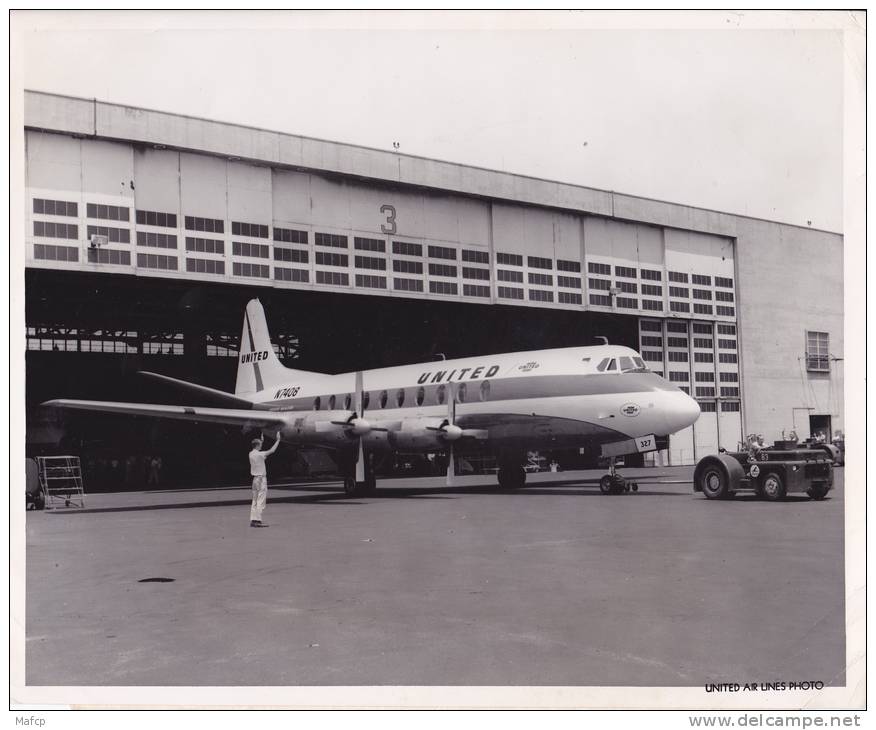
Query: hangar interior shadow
320, 331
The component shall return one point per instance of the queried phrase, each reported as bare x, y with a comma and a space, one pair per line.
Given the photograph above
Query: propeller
363, 428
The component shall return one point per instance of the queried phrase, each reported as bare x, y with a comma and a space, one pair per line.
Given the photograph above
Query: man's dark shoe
257, 523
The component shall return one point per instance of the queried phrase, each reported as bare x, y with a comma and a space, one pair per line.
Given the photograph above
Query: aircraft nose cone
687, 411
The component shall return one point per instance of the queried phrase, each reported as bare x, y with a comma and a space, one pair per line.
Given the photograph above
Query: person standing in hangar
259, 479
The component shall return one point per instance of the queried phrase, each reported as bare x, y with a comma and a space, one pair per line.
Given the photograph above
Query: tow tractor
770, 472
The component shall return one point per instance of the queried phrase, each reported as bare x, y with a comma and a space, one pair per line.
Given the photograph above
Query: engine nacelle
419, 434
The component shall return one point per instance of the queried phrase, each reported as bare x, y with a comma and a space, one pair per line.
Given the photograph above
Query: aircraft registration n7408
509, 403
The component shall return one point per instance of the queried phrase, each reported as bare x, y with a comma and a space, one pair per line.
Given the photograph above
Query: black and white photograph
438, 359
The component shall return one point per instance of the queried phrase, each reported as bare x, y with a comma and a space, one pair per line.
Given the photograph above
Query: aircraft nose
683, 412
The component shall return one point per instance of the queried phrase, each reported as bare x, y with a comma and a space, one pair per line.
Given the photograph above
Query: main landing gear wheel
512, 477
773, 487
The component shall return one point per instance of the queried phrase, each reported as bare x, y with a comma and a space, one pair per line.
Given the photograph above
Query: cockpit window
626, 364
602, 364
612, 365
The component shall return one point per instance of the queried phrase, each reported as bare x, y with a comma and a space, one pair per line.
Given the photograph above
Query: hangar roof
103, 120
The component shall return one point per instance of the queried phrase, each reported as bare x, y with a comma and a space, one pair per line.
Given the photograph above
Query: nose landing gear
614, 483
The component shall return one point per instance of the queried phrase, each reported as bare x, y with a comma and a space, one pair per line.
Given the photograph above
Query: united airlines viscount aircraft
561, 398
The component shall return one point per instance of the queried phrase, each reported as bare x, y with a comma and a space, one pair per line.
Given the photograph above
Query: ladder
61, 480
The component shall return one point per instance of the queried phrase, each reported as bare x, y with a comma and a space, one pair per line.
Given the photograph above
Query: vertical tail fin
257, 365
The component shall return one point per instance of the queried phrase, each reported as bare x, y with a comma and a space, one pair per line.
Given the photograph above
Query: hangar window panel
600, 299
649, 325
156, 240
704, 342
701, 280
627, 303
471, 290
625, 271
509, 259
209, 225
369, 262
55, 207
730, 407
407, 284
603, 284
679, 291
702, 294
109, 256
679, 307
205, 266
651, 275
403, 266
281, 273
107, 212
652, 356
371, 282
240, 268
55, 253
253, 230
294, 255
568, 297
702, 309
627, 287
541, 279
205, 245
540, 295
724, 282
704, 391
700, 328
334, 278
678, 277
727, 357
470, 272
369, 244
724, 296
651, 290
817, 350
475, 257
155, 218
407, 249
676, 327
708, 406
510, 292
676, 342
442, 252
55, 230
536, 262
115, 235
289, 235
565, 265
154, 261
332, 259
652, 305
570, 282
729, 392
442, 270
678, 376
254, 250
704, 357
726, 311
729, 377
727, 344
330, 240
648, 341
443, 287
702, 377
595, 268
674, 356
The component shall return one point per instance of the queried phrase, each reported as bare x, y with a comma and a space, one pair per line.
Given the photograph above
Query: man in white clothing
259, 479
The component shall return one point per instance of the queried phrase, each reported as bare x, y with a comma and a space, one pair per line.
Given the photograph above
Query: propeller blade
357, 395
451, 467
451, 404
360, 463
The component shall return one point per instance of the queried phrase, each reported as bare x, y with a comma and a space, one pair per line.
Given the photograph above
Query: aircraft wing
233, 416
219, 397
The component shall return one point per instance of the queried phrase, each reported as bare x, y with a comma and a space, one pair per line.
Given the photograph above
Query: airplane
508, 403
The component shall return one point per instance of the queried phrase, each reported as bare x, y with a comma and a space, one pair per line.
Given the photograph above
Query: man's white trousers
259, 497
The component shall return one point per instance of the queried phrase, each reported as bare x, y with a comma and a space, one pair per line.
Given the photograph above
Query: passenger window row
385, 398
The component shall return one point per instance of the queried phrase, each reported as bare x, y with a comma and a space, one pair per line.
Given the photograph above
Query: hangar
146, 232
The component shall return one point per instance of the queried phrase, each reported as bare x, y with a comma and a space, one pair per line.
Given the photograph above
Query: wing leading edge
233, 416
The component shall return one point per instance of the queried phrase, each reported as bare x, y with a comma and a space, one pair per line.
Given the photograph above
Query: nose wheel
614, 483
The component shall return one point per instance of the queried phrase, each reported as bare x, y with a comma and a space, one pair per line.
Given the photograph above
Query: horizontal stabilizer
233, 416
218, 396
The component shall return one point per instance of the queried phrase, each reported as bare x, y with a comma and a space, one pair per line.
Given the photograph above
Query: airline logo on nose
630, 409
253, 357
